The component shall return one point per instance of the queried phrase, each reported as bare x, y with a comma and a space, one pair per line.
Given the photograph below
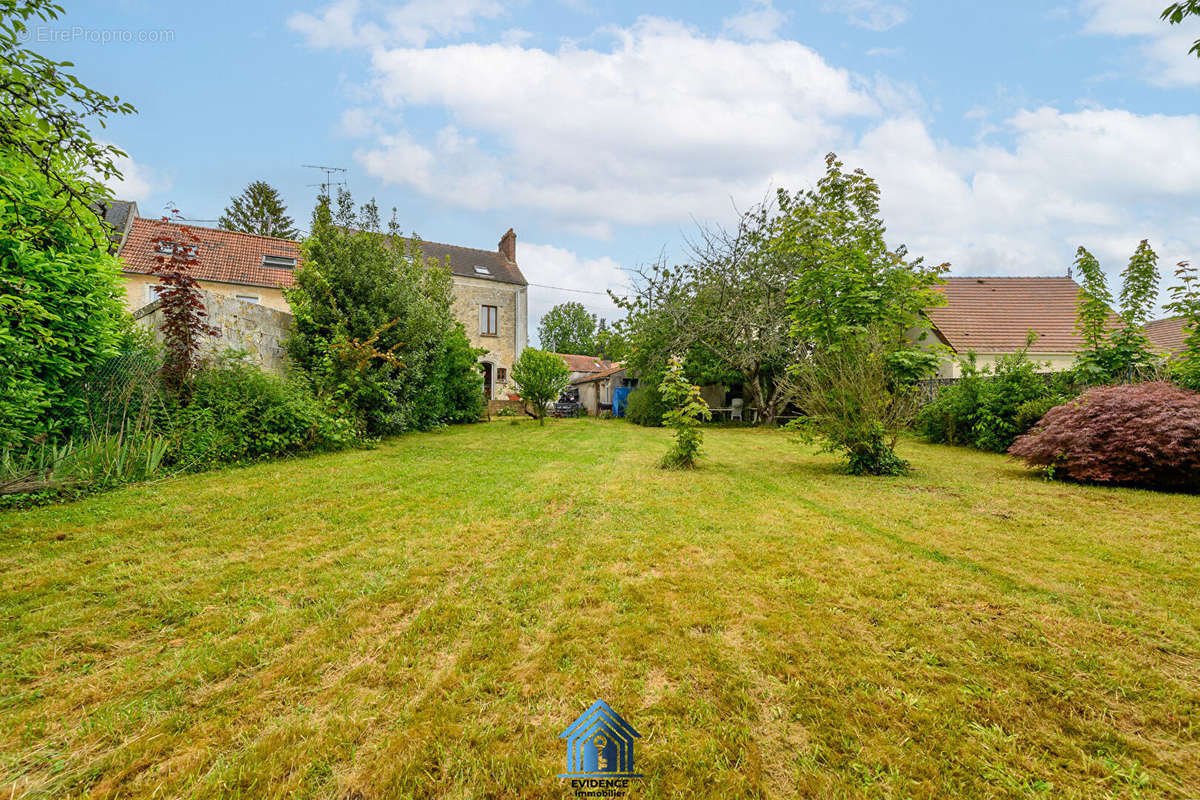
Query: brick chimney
508, 246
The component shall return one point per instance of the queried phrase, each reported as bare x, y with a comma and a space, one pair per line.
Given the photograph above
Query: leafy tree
852, 404
569, 328
177, 254
372, 326
1115, 347
685, 409
44, 112
1175, 14
258, 210
60, 308
1185, 301
1139, 292
848, 281
540, 377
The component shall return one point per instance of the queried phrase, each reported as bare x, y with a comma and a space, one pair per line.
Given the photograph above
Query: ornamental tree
176, 255
540, 377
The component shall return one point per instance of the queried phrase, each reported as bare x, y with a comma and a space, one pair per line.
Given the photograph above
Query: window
279, 262
480, 270
488, 320
168, 249
153, 291
248, 298
501, 374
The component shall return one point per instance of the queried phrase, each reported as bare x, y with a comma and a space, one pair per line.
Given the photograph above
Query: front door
487, 380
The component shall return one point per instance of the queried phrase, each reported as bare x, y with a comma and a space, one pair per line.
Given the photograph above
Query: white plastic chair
735, 412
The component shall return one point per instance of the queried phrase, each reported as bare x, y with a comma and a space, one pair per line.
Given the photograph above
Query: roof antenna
329, 181
1069, 272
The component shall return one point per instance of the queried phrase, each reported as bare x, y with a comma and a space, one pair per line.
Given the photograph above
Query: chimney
508, 246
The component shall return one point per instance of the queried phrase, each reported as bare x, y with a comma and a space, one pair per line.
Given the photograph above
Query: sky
1003, 135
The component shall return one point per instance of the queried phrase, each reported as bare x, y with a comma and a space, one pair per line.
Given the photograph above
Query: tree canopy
258, 210
1177, 12
540, 377
569, 328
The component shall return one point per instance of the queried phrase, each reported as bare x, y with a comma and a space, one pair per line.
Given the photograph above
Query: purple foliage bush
1144, 434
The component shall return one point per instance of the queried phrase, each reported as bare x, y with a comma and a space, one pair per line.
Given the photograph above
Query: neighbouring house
1166, 335
118, 215
993, 316
584, 366
490, 293
596, 390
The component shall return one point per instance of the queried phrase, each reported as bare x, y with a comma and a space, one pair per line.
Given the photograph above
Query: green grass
422, 620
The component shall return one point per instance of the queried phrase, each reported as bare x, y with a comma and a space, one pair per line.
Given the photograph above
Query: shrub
989, 408
685, 409
238, 413
1144, 434
853, 407
645, 407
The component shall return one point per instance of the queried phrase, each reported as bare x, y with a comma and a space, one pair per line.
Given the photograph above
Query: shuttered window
488, 320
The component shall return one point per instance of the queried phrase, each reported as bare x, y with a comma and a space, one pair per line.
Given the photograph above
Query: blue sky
1003, 134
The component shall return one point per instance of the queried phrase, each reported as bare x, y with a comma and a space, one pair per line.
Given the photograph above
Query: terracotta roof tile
1166, 334
601, 375
992, 315
225, 256
584, 363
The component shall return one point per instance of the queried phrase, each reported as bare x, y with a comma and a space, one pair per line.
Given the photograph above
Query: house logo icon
600, 751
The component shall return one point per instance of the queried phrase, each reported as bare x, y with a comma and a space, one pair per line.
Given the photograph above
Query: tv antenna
329, 173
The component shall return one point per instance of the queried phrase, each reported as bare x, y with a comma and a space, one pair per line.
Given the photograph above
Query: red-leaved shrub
1142, 434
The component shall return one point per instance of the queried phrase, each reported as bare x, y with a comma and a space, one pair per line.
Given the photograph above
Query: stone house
490, 293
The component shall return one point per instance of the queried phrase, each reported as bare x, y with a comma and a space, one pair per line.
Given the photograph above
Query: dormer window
481, 270
279, 262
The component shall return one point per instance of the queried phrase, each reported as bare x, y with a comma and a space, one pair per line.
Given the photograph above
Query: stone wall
257, 329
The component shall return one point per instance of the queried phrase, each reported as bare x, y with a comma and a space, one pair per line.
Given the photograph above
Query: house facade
993, 317
490, 293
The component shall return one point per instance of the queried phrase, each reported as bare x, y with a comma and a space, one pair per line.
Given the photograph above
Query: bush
238, 413
685, 409
645, 407
989, 408
853, 406
540, 377
1144, 434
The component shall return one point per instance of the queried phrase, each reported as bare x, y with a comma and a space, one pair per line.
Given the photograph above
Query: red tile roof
1166, 334
225, 256
584, 363
601, 375
992, 315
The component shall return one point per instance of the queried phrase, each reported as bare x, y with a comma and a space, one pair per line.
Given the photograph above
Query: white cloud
413, 23
137, 182
874, 15
760, 21
548, 266
1164, 58
664, 124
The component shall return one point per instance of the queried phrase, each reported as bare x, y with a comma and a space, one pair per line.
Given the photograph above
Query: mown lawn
422, 620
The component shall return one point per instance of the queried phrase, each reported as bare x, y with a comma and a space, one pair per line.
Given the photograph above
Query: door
487, 380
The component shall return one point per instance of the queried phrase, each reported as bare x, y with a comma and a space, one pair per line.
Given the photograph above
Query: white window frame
152, 291
484, 329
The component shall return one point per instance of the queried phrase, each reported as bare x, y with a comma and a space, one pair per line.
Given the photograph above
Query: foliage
989, 408
645, 406
685, 410
372, 327
1175, 14
569, 328
259, 210
853, 406
59, 308
847, 279
1144, 434
540, 377
1116, 348
177, 254
1185, 301
237, 413
44, 111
